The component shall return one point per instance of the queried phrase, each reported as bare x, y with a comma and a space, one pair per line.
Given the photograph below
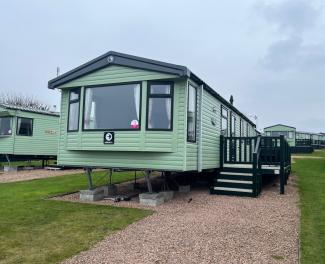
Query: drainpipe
199, 148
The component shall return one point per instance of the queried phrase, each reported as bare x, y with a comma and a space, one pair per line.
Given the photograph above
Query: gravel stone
209, 229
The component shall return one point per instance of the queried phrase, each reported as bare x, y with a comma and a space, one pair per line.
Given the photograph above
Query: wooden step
230, 189
239, 185
236, 173
238, 165
234, 181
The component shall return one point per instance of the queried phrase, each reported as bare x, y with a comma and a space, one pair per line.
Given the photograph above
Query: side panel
7, 142
44, 140
211, 127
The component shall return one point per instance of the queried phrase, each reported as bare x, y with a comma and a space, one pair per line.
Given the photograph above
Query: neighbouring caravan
127, 112
299, 141
27, 134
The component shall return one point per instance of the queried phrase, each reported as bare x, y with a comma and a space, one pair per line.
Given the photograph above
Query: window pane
224, 112
24, 127
160, 89
73, 116
112, 107
191, 114
233, 125
224, 124
159, 113
74, 95
5, 126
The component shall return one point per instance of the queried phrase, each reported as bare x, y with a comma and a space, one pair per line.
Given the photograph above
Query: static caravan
27, 134
288, 132
127, 112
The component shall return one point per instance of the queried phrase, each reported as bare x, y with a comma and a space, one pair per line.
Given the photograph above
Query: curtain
137, 99
168, 104
19, 125
88, 108
150, 125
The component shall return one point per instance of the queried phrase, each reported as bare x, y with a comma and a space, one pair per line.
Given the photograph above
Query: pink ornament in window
134, 124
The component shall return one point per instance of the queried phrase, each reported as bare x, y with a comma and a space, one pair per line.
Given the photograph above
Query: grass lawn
311, 181
36, 230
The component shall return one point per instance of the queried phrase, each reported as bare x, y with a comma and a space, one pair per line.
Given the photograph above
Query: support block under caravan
92, 195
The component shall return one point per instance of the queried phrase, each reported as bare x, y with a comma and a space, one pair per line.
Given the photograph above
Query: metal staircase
243, 161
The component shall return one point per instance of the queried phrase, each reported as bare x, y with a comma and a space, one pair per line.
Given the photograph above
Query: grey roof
28, 109
279, 125
121, 59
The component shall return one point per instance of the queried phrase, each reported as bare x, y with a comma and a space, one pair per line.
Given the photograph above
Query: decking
244, 160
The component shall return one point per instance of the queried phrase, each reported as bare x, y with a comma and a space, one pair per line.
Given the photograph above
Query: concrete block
10, 168
168, 195
92, 195
109, 190
151, 199
184, 188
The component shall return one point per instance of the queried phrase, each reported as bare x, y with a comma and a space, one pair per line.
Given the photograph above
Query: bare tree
23, 101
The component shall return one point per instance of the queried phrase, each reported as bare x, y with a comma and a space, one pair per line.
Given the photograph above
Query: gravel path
33, 174
209, 229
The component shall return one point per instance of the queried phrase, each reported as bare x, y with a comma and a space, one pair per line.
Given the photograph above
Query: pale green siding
44, 140
132, 149
116, 74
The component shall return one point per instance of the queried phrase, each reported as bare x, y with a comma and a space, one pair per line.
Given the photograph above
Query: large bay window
224, 121
160, 106
114, 107
191, 114
74, 104
5, 126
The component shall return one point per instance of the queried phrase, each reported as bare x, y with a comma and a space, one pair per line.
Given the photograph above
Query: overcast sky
270, 55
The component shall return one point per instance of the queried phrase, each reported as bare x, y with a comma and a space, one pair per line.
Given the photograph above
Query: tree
23, 101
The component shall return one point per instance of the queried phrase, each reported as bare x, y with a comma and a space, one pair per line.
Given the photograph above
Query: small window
233, 125
74, 103
268, 133
159, 106
24, 126
224, 121
291, 135
5, 126
191, 114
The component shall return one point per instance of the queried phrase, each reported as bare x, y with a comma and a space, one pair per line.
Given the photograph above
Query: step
239, 185
234, 181
234, 177
236, 173
230, 189
233, 193
238, 170
238, 165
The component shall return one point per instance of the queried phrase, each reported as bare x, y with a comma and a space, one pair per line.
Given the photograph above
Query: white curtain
19, 125
137, 99
150, 114
169, 110
88, 110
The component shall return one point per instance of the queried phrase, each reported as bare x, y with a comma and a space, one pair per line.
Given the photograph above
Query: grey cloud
290, 16
292, 53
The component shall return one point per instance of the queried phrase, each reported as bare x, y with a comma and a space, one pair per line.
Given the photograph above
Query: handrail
256, 167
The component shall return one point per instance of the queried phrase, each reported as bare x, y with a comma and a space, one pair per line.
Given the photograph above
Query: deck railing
257, 151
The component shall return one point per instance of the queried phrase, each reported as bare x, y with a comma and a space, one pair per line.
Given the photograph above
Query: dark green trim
171, 95
195, 130
19, 117
73, 102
